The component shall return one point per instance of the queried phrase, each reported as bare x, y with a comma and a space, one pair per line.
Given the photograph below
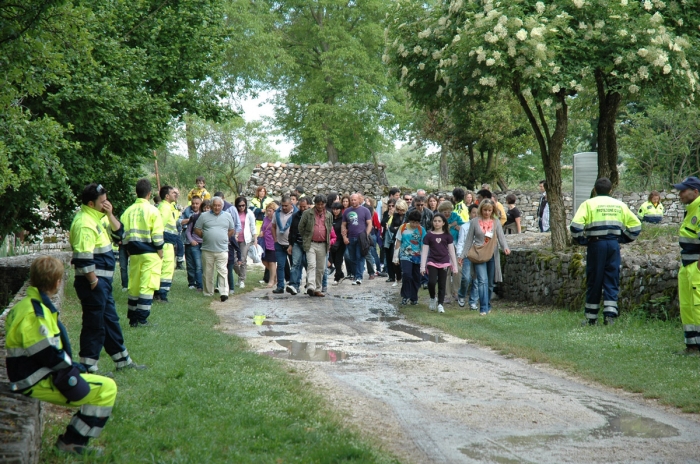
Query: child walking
437, 257
409, 239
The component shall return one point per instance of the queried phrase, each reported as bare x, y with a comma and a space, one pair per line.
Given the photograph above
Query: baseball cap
692, 183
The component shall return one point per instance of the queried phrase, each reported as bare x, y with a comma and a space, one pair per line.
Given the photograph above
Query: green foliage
335, 99
661, 145
226, 151
206, 398
411, 166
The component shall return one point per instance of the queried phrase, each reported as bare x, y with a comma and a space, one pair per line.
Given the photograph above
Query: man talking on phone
91, 235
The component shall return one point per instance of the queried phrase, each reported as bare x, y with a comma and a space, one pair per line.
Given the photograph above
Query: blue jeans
466, 281
484, 277
281, 256
353, 254
193, 256
124, 266
299, 262
179, 248
230, 265
324, 284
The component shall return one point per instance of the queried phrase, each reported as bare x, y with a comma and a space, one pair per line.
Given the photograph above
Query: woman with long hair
393, 225
407, 254
437, 257
482, 229
345, 201
246, 238
338, 248
269, 258
258, 205
432, 204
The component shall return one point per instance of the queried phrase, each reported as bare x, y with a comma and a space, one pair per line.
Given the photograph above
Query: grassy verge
204, 398
635, 354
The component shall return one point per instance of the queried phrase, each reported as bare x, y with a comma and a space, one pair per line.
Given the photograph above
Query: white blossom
633, 88
417, 49
503, 20
536, 32
517, 22
440, 90
599, 24
556, 88
541, 47
579, 3
527, 92
622, 33
490, 37
539, 6
488, 81
412, 83
643, 52
582, 25
442, 21
643, 72
496, 55
455, 6
404, 71
680, 22
385, 59
520, 61
572, 84
623, 2
465, 91
579, 88
490, 62
647, 5
500, 30
421, 66
404, 53
456, 38
667, 69
480, 56
556, 70
656, 18
521, 34
661, 60
424, 34
618, 60
548, 102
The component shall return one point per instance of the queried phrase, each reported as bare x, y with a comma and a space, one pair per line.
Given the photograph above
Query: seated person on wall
652, 210
39, 362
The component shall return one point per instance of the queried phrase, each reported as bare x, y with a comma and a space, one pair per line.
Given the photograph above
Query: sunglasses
100, 190
242, 205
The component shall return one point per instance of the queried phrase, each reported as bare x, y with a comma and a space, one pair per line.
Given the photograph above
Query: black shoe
81, 450
134, 366
391, 280
156, 297
404, 301
278, 291
587, 321
425, 286
133, 324
180, 266
609, 320
413, 303
291, 290
216, 290
224, 298
383, 274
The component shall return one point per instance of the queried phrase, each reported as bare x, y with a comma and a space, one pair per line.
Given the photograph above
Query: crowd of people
447, 244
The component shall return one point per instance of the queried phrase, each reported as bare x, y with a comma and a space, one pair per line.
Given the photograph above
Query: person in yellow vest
602, 223
689, 274
258, 205
652, 210
143, 238
168, 214
91, 234
199, 191
460, 207
39, 362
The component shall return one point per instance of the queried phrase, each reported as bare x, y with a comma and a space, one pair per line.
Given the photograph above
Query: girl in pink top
437, 256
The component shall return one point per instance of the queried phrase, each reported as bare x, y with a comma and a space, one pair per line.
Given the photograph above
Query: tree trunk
444, 171
550, 150
331, 151
608, 105
472, 166
189, 135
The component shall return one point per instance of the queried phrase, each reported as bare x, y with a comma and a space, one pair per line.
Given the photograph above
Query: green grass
205, 399
635, 354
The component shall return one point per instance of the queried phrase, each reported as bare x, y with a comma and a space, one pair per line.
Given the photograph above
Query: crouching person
39, 361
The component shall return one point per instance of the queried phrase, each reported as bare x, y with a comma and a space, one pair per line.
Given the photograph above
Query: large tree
334, 98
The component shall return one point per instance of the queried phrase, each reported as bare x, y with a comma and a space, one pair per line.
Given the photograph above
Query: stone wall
20, 417
532, 273
527, 204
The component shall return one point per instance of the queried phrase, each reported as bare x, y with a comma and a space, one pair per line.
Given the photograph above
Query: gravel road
429, 397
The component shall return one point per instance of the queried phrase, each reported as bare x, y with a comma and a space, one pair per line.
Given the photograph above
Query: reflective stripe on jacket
650, 213
33, 341
689, 234
91, 239
604, 218
143, 228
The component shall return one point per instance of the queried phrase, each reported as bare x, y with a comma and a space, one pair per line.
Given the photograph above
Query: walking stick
157, 174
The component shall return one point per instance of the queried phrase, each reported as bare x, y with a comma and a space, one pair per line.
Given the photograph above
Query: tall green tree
334, 98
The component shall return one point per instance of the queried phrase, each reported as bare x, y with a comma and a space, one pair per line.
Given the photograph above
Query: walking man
215, 227
169, 215
281, 223
296, 248
143, 238
90, 236
689, 274
356, 220
315, 228
602, 223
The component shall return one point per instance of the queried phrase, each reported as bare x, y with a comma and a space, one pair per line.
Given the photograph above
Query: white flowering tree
460, 50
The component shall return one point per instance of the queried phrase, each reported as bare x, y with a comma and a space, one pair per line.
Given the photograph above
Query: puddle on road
383, 319
417, 333
628, 424
486, 455
307, 351
273, 333
266, 322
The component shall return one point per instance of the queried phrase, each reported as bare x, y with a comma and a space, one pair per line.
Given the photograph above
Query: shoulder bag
482, 253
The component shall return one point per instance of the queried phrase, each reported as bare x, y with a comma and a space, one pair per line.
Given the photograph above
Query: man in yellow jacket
39, 362
143, 238
602, 223
169, 216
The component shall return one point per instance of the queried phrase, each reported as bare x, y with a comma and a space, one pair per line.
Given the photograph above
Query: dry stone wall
527, 204
648, 275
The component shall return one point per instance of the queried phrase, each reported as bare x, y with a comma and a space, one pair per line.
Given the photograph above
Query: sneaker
391, 280
440, 309
358, 282
335, 282
383, 274
291, 290
473, 307
261, 282
134, 366
191, 287
241, 284
395, 284
484, 313
461, 302
404, 301
81, 450
278, 291
433, 304
224, 298
354, 282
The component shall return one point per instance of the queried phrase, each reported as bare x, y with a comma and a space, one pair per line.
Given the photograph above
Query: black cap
692, 183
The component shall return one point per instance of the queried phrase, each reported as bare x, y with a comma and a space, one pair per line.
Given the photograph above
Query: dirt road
431, 397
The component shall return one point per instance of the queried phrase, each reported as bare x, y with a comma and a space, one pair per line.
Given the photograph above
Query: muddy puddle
426, 337
275, 333
307, 351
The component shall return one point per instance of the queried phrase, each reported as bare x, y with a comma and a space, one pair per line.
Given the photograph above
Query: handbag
482, 253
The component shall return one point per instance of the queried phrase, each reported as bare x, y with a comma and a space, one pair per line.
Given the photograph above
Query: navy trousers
603, 277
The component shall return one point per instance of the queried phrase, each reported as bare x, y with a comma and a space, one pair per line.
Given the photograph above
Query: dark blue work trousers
100, 322
603, 277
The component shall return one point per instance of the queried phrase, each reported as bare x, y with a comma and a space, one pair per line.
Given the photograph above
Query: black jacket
294, 236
